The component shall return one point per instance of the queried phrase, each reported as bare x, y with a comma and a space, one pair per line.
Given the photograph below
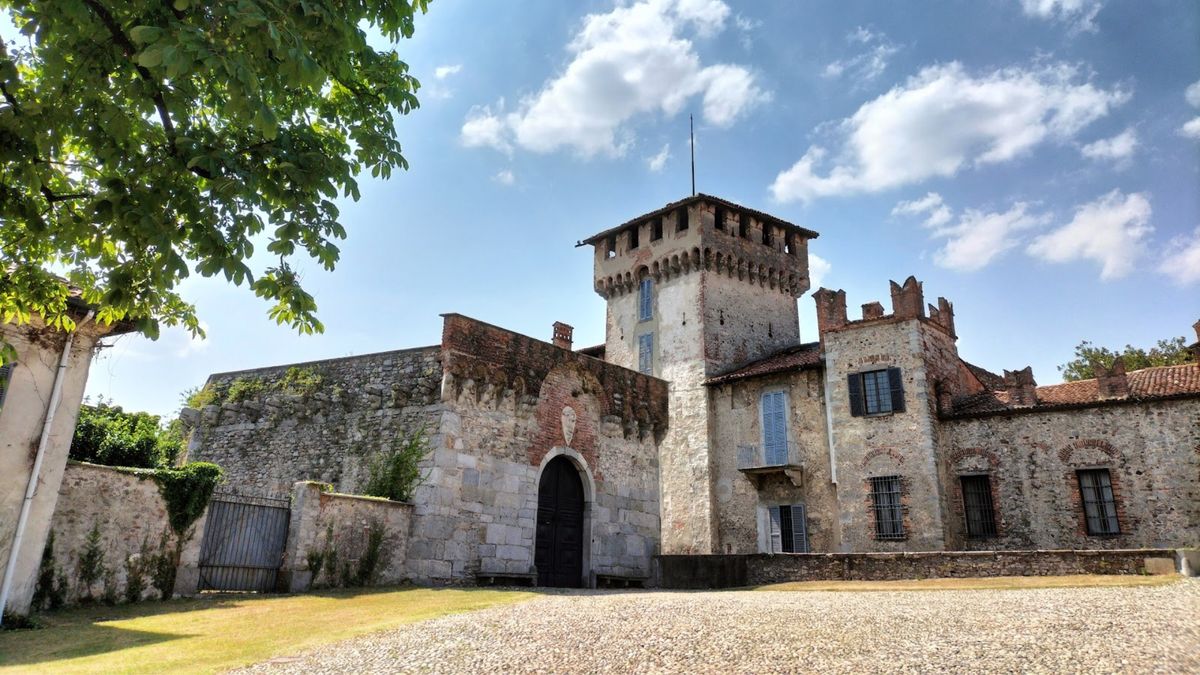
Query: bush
106, 434
395, 473
186, 490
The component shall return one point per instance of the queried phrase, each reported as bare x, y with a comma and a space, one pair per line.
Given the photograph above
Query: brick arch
569, 384
960, 454
1067, 453
896, 457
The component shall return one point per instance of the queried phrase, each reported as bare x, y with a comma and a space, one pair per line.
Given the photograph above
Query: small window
5, 377
646, 353
977, 506
743, 226
646, 299
656, 229
774, 428
1099, 504
719, 220
889, 514
766, 234
789, 531
876, 392
681, 219
634, 237
610, 250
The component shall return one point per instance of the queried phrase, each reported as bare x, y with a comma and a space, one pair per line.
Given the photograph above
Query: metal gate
243, 542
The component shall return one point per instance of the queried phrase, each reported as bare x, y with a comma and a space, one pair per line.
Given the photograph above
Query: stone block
1160, 566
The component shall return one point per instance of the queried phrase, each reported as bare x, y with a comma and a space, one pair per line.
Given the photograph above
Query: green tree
106, 434
1166, 353
142, 140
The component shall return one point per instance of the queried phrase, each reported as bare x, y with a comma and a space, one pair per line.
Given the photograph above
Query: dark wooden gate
558, 551
243, 544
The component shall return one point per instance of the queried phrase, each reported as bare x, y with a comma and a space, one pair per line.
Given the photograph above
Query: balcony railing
757, 458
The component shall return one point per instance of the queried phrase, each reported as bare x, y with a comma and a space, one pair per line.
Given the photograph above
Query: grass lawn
215, 633
977, 583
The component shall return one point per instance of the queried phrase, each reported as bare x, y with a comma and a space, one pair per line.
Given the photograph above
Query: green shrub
51, 589
106, 434
187, 490
301, 381
91, 561
198, 397
244, 389
395, 472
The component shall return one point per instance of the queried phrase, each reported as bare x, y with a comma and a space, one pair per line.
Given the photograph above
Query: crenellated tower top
702, 232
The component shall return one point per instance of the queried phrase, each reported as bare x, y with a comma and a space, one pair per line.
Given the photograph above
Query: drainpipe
34, 474
829, 429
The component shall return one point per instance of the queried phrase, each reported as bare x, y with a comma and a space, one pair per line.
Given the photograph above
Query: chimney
1022, 390
908, 301
563, 335
831, 309
1112, 380
872, 310
943, 315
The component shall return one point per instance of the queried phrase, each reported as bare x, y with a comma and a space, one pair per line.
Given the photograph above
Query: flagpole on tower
692, 142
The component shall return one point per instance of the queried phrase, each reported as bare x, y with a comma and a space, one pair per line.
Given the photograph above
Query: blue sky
1035, 161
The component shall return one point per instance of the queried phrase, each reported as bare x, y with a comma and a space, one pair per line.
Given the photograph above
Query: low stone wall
110, 527
333, 538
727, 571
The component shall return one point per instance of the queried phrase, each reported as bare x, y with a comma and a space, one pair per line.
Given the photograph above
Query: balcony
755, 462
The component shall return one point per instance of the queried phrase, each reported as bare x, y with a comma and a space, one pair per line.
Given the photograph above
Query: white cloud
505, 177
818, 270
944, 119
634, 60
938, 213
1191, 128
978, 238
1110, 231
442, 72
1192, 94
1117, 148
746, 28
1183, 265
658, 161
868, 65
483, 128
1081, 14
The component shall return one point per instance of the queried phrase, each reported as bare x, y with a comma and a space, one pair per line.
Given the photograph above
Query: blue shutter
646, 300
774, 533
774, 411
646, 353
799, 529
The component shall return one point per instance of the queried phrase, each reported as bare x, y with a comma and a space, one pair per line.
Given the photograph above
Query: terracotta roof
766, 217
1145, 384
797, 357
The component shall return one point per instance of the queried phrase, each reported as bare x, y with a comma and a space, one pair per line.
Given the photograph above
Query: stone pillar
831, 309
294, 575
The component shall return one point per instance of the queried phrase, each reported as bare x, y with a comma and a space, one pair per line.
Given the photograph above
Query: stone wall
283, 433
129, 517
731, 571
1151, 449
737, 421
334, 532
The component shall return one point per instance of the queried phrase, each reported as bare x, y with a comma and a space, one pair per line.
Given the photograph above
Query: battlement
702, 232
908, 302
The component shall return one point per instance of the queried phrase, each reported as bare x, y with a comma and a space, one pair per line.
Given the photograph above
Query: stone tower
695, 289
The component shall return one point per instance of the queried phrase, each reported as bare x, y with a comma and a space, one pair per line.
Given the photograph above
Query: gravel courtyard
1130, 629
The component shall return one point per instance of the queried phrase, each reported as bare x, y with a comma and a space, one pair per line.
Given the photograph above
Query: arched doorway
558, 549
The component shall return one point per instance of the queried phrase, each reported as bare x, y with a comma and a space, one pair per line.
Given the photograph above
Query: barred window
5, 376
889, 515
1099, 503
977, 506
789, 531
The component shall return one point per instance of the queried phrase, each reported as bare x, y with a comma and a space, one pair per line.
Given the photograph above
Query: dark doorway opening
558, 550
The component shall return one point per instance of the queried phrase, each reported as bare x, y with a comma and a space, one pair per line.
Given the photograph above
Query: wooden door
559, 547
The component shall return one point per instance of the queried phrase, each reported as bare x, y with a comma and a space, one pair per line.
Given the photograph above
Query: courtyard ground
1060, 624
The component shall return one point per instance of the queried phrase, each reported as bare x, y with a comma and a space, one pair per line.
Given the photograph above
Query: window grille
646, 299
889, 514
876, 392
646, 353
774, 426
789, 529
1099, 504
5, 376
977, 504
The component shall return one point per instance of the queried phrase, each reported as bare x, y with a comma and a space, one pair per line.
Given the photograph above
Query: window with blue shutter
5, 375
646, 300
774, 425
646, 353
788, 530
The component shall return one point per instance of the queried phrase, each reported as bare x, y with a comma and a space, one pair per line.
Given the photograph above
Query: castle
704, 424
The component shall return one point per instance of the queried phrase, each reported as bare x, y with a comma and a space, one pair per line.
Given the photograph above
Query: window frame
986, 527
783, 425
859, 397
645, 343
1108, 523
892, 527
794, 513
646, 299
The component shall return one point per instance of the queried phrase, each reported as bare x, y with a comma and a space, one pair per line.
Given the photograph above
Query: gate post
294, 576
187, 574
